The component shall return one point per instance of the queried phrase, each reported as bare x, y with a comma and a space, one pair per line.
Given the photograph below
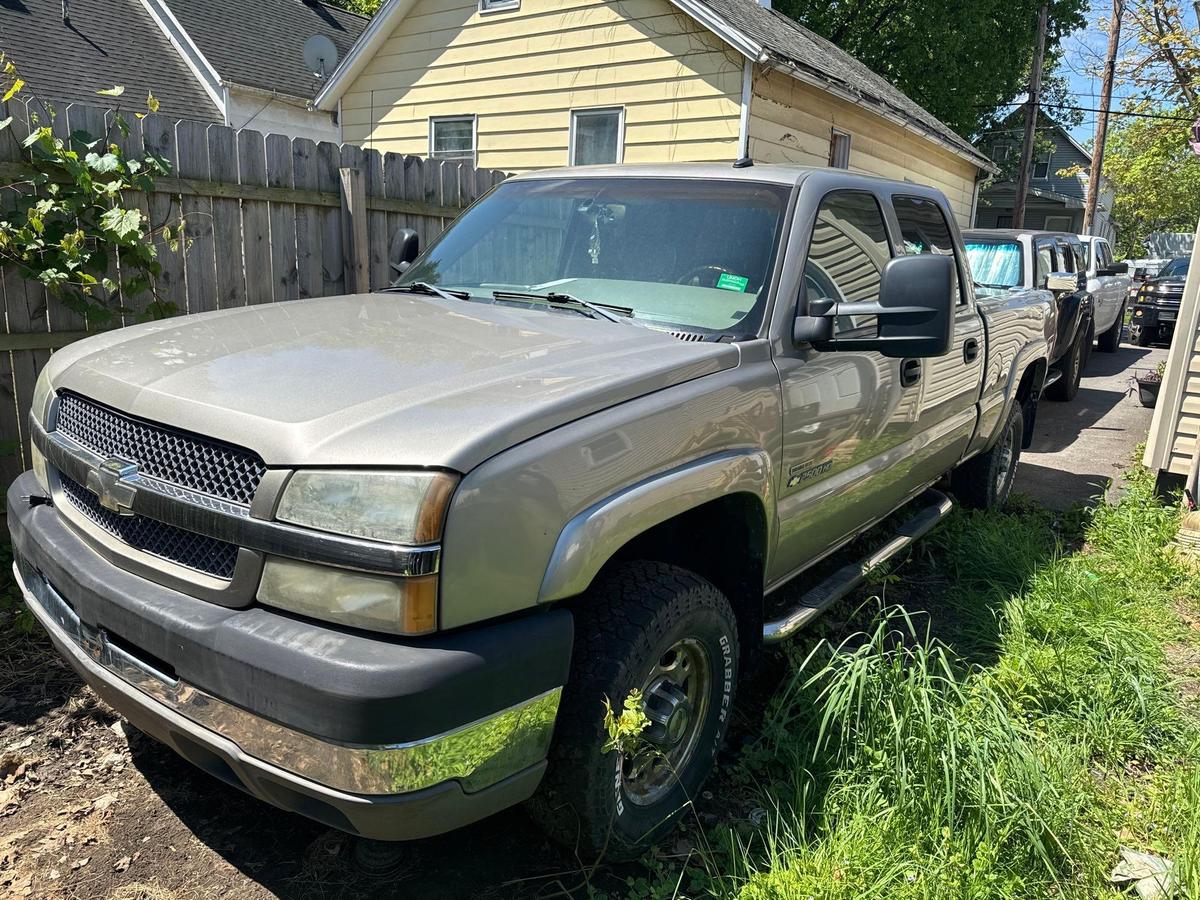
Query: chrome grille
185, 548
190, 461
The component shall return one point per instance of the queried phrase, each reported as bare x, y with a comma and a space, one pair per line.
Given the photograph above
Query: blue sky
1084, 56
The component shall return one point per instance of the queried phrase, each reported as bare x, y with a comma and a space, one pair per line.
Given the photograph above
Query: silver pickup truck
1051, 263
381, 559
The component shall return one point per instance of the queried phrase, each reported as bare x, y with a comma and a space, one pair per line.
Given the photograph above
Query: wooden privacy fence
267, 218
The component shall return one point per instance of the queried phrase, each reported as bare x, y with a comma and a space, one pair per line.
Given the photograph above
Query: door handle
910, 372
970, 350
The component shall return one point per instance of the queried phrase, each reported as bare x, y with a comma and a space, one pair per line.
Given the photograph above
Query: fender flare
591, 538
1029, 355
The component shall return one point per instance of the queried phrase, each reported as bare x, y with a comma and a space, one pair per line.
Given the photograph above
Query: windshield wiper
569, 301
422, 287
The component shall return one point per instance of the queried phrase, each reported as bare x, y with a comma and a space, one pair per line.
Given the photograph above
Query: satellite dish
320, 55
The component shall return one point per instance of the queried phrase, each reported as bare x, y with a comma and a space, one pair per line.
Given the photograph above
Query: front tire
985, 481
671, 634
1110, 341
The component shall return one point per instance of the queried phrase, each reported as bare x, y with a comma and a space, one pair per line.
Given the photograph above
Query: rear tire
985, 481
1071, 367
1110, 341
671, 634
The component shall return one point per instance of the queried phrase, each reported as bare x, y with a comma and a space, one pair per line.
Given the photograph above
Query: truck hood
379, 379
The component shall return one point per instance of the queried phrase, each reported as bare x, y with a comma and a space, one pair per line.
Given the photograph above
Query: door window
848, 252
1066, 257
1045, 265
924, 229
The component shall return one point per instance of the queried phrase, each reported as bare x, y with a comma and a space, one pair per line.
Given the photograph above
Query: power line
1114, 112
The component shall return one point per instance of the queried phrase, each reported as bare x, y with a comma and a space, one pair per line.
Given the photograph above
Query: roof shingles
791, 43
106, 42
261, 43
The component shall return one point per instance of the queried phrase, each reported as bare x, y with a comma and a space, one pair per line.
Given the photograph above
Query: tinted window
1176, 268
848, 252
924, 229
1066, 257
1045, 265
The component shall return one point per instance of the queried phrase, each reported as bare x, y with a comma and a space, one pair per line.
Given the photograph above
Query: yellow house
530, 84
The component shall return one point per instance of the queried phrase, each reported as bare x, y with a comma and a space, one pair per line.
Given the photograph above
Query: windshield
674, 251
1176, 268
995, 264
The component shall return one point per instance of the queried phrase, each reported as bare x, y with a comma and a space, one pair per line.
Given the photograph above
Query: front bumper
1151, 315
397, 788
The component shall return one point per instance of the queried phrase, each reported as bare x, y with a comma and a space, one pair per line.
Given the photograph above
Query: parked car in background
1158, 301
1048, 263
382, 559
1108, 284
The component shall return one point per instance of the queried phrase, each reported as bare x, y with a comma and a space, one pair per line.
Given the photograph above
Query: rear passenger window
848, 252
924, 229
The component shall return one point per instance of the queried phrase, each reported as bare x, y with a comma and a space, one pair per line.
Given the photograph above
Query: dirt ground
91, 808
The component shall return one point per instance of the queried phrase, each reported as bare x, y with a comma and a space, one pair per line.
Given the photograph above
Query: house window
452, 137
597, 136
839, 150
1041, 167
1059, 223
497, 5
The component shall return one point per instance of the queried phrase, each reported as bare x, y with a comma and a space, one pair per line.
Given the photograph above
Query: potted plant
1148, 383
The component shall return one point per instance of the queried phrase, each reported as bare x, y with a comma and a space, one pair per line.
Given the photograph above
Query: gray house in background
1055, 202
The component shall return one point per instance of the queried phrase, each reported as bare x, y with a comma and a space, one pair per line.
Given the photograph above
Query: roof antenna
744, 163
66, 12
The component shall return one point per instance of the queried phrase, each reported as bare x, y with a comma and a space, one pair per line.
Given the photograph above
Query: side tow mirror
406, 247
915, 311
1062, 282
1117, 268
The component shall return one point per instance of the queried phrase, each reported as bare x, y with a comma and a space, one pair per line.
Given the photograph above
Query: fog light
396, 605
39, 468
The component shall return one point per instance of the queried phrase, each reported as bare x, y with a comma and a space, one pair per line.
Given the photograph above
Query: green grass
999, 732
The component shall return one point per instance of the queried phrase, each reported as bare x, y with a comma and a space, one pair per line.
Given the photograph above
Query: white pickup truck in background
1108, 283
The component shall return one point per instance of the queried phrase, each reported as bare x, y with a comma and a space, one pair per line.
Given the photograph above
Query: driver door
847, 414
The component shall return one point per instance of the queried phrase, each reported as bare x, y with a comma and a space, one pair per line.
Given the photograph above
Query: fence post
354, 231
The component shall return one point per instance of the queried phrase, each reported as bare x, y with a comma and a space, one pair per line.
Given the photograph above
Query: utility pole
1032, 107
1106, 88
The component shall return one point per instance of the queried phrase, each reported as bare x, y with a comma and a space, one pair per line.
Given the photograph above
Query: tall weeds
968, 744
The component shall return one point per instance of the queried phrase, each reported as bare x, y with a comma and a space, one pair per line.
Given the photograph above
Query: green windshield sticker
729, 282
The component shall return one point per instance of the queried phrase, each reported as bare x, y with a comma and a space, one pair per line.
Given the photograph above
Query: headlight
376, 602
39, 468
401, 507
42, 394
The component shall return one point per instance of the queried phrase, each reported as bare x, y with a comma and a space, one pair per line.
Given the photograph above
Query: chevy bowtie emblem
112, 483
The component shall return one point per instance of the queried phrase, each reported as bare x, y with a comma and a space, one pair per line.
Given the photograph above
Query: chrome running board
934, 506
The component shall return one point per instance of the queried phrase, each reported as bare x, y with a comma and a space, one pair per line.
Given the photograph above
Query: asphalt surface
1080, 447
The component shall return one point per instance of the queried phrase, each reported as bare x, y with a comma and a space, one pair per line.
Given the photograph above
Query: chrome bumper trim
477, 755
233, 523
